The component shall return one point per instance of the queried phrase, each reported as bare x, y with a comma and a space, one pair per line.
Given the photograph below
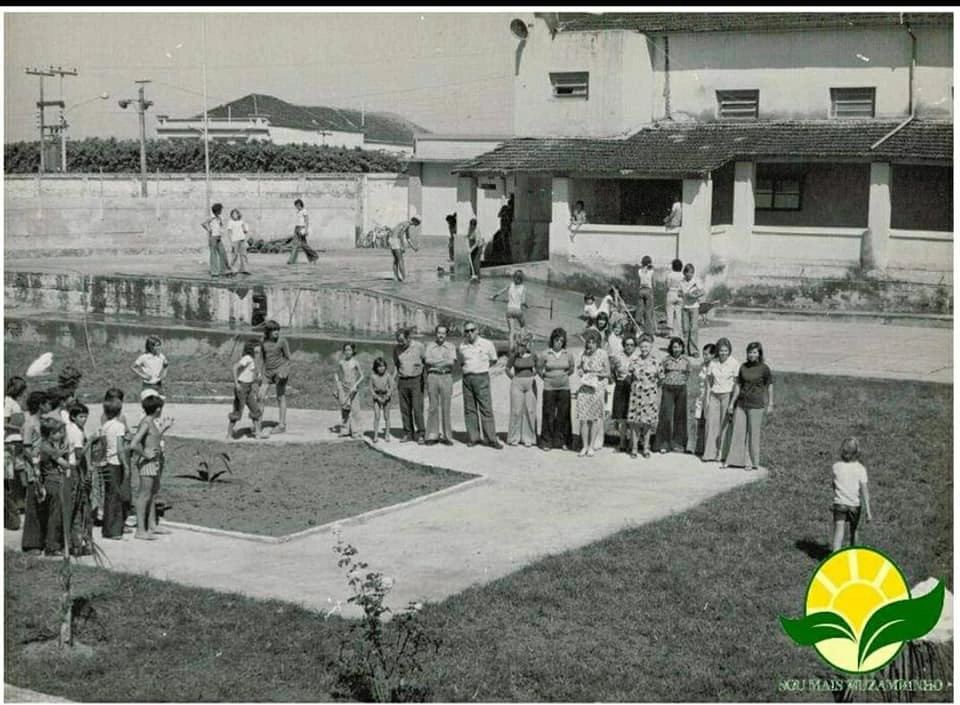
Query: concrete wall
92, 213
834, 195
618, 99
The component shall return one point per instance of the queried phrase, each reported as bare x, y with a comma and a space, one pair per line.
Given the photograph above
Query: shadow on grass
815, 549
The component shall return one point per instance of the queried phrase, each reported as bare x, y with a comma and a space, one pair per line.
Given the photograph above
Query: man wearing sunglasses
476, 356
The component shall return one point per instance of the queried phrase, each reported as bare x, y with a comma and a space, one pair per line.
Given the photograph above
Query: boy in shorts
148, 445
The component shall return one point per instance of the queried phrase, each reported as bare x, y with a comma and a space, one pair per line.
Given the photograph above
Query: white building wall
615, 102
794, 71
439, 191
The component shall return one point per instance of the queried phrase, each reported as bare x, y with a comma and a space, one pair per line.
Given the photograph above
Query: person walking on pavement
398, 241
408, 358
301, 230
439, 357
476, 356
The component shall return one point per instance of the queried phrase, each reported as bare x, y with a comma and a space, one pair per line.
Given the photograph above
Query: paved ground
532, 505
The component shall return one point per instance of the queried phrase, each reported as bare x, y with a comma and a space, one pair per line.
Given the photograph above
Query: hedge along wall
87, 213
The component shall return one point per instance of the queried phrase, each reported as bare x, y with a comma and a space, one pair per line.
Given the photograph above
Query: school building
788, 138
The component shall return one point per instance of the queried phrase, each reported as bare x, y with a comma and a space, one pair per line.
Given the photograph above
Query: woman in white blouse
720, 378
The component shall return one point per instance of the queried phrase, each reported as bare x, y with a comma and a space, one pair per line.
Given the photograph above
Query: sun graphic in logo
858, 611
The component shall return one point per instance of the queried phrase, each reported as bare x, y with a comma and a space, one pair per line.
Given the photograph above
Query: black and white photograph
478, 354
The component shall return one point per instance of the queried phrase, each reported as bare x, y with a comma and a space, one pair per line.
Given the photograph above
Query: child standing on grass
516, 303
850, 492
151, 367
238, 242
347, 379
381, 387
246, 390
147, 444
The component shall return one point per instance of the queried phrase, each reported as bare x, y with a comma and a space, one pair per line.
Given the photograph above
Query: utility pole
41, 104
142, 105
63, 117
206, 129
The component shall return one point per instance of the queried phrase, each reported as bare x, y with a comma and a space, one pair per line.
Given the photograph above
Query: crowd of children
65, 480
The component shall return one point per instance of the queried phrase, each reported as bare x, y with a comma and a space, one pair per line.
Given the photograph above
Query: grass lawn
276, 494
682, 609
191, 377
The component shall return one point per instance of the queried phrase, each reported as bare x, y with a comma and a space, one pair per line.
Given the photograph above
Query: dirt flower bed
277, 490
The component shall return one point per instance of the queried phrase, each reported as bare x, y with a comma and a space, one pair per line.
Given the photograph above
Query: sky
449, 72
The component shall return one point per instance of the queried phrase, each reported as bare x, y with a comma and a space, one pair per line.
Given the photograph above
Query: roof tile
691, 149
659, 22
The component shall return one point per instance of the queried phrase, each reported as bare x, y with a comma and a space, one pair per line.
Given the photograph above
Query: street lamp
64, 125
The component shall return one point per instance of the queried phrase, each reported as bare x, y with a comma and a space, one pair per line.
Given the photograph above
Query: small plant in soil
203, 469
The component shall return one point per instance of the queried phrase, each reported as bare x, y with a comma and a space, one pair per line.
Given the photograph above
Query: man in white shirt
476, 356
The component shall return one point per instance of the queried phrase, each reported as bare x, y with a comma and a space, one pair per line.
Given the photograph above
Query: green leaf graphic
901, 621
817, 627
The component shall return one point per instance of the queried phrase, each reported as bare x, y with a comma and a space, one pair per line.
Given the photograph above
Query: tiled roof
381, 127
686, 150
659, 22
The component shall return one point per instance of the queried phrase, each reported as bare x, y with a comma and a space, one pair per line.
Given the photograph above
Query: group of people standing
228, 242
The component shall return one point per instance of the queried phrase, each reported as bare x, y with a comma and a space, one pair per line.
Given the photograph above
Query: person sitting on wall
675, 216
577, 218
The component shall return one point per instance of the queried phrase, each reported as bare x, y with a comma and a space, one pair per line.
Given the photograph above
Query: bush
186, 157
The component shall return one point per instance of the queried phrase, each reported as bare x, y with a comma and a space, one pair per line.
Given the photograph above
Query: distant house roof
661, 22
675, 151
377, 127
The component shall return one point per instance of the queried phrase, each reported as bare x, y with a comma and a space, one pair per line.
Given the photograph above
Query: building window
853, 102
572, 84
777, 189
738, 105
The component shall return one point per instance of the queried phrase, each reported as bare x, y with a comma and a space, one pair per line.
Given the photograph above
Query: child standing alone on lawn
849, 492
348, 378
381, 386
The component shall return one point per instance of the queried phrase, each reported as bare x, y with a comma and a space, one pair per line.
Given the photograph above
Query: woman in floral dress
644, 412
593, 371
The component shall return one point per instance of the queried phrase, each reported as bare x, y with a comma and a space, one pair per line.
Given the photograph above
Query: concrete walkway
532, 505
